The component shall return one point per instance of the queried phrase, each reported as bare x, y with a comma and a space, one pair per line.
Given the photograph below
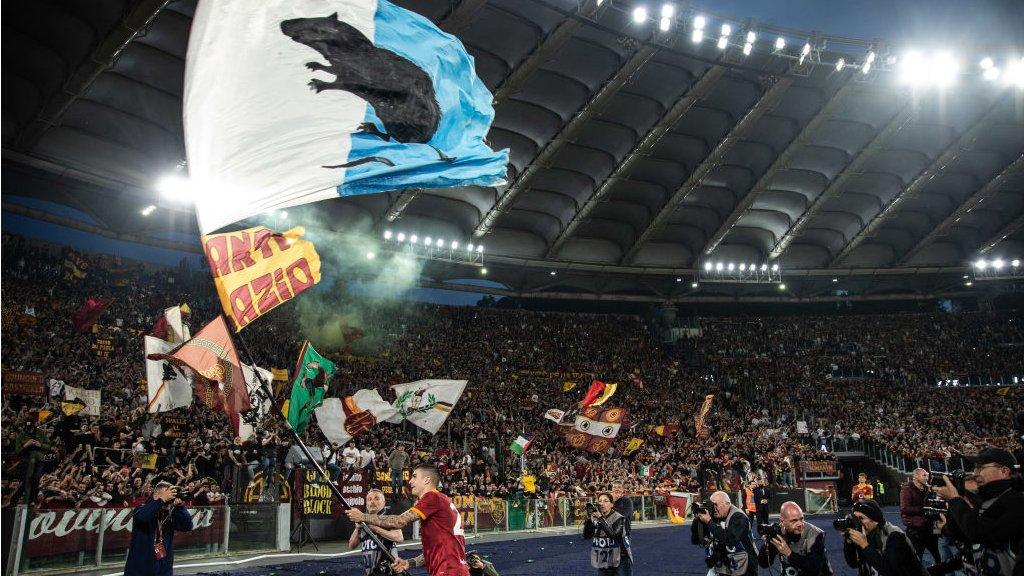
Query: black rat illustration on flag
293, 101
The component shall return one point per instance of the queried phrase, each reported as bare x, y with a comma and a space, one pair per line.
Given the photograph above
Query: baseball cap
994, 456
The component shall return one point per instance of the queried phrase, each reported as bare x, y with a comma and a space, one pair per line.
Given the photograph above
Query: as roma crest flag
87, 315
212, 356
256, 270
596, 428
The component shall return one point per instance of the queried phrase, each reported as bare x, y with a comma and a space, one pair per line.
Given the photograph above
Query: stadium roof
637, 155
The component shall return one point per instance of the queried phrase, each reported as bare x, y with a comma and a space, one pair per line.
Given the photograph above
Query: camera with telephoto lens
769, 531
591, 507
473, 557
956, 477
933, 507
848, 522
699, 508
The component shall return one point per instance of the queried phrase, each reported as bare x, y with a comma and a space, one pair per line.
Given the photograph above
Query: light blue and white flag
293, 101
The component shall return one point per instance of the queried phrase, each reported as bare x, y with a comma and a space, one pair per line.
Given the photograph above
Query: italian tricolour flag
520, 444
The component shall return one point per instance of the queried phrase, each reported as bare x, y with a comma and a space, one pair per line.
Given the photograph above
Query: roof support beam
765, 104
644, 147
975, 200
783, 162
78, 83
951, 153
565, 136
898, 121
1011, 228
544, 51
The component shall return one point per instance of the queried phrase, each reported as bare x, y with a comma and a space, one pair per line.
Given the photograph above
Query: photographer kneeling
606, 529
873, 543
996, 526
800, 547
730, 547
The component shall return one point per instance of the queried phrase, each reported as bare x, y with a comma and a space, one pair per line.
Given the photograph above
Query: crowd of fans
766, 374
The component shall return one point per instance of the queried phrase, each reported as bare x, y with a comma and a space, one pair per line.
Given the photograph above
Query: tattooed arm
389, 521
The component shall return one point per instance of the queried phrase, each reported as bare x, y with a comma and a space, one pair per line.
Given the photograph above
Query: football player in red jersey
444, 540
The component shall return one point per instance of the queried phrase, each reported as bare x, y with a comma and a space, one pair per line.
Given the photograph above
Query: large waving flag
426, 403
596, 428
246, 423
218, 378
341, 419
312, 373
169, 385
257, 269
293, 101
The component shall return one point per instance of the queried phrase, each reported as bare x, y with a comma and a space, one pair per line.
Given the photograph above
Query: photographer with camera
728, 541
920, 526
371, 553
874, 545
800, 547
154, 523
606, 529
996, 525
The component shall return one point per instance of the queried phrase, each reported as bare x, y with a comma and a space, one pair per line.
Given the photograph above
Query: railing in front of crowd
888, 456
80, 538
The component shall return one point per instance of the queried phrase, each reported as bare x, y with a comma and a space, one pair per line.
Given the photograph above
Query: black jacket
591, 528
1002, 522
889, 552
762, 493
810, 563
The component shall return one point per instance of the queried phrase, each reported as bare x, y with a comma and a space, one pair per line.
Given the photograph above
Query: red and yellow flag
256, 270
212, 356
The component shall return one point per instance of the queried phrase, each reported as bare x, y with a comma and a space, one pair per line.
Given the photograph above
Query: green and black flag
312, 373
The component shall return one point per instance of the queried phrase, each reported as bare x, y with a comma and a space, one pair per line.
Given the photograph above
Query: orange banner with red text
257, 269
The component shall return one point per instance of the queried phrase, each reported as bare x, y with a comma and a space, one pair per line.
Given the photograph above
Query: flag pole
267, 389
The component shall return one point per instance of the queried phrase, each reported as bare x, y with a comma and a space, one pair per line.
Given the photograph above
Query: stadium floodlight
413, 239
147, 210
284, 215
719, 266
752, 267
400, 237
732, 266
804, 52
723, 41
480, 249
370, 255
679, 279
751, 37
455, 244
782, 286
775, 267
1015, 73
640, 14
708, 266
387, 234
668, 10
945, 69
991, 74
553, 272
664, 24
997, 263
981, 264
743, 267
726, 30
428, 241
780, 44
440, 243
986, 63
834, 280
483, 271
697, 36
840, 64
699, 22
469, 247
175, 187
868, 62
968, 283
764, 267
694, 285
747, 48
1015, 263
